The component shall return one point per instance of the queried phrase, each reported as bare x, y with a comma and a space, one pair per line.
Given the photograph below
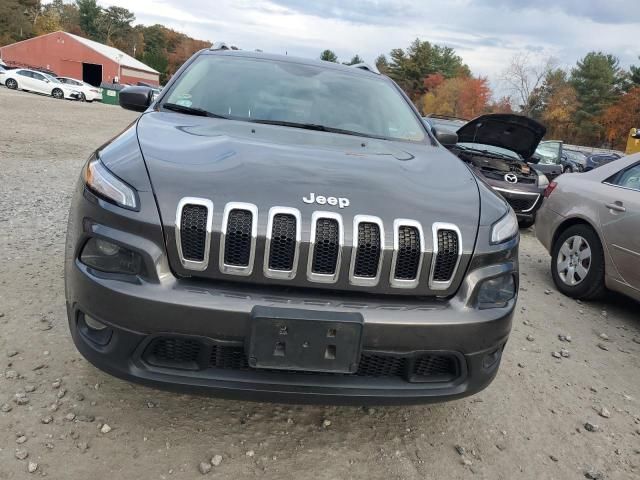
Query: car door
549, 157
620, 221
40, 83
24, 79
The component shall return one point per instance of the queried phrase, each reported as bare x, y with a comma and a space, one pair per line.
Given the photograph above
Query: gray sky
485, 33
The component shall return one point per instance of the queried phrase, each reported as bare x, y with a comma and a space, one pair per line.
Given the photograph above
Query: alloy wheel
57, 93
574, 260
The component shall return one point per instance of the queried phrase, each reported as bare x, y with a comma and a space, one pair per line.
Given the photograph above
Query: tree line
159, 47
593, 103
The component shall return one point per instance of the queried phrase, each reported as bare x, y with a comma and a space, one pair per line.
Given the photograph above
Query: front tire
57, 94
83, 97
11, 84
577, 263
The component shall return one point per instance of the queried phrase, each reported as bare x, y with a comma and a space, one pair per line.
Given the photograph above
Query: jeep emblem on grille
322, 200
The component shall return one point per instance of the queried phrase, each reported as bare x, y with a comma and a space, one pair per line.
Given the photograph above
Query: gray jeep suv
284, 229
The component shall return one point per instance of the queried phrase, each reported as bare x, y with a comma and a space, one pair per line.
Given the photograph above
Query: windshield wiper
200, 112
314, 126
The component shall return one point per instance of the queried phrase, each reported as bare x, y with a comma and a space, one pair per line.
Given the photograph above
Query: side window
24, 73
628, 178
37, 76
63, 80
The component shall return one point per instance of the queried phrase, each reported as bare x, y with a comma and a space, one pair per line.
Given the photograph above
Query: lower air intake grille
368, 250
283, 242
408, 254
237, 244
447, 256
327, 246
193, 232
434, 366
174, 353
183, 353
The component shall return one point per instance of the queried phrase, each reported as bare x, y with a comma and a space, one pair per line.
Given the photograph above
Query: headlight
108, 257
496, 292
505, 229
543, 181
105, 184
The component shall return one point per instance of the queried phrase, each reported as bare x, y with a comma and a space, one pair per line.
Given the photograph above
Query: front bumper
217, 317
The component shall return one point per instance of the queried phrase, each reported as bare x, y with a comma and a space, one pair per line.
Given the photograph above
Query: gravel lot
62, 418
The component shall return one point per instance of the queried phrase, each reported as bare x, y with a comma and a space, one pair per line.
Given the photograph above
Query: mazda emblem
511, 178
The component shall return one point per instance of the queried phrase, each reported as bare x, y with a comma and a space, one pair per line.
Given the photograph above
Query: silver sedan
590, 223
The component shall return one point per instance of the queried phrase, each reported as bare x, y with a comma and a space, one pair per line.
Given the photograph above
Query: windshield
490, 148
296, 94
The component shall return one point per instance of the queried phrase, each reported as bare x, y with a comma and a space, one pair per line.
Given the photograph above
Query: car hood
514, 132
266, 165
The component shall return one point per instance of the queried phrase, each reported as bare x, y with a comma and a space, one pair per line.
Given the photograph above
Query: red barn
72, 56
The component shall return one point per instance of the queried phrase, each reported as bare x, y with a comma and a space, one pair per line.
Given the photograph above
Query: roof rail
367, 67
223, 46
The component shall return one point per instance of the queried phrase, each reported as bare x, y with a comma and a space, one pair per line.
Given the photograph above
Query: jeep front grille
323, 248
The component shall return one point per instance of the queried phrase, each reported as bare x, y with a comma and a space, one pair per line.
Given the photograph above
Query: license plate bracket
305, 340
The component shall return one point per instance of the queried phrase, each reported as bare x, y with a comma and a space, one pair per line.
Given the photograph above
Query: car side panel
573, 199
620, 230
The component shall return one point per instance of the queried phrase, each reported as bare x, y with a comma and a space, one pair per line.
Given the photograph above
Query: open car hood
514, 132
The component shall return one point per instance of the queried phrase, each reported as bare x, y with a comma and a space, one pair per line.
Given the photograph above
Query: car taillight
550, 188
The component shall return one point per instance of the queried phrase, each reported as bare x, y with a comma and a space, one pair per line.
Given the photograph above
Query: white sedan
39, 82
88, 93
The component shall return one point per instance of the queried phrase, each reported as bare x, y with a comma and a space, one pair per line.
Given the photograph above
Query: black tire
82, 97
528, 223
592, 285
57, 94
569, 169
11, 84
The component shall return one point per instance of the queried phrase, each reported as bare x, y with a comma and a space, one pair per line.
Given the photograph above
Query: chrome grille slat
408, 253
280, 244
238, 238
193, 236
368, 250
325, 257
446, 255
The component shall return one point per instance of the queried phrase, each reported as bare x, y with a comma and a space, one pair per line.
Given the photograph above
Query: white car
88, 93
3, 73
39, 82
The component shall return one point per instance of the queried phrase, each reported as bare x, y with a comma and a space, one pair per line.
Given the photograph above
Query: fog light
496, 292
93, 330
94, 324
108, 257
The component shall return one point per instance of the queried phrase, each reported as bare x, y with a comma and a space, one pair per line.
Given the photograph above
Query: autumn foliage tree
464, 97
620, 117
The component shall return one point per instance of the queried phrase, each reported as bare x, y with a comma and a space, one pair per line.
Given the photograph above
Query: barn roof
114, 54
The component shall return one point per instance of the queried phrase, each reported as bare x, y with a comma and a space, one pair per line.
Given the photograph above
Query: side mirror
535, 159
447, 139
137, 99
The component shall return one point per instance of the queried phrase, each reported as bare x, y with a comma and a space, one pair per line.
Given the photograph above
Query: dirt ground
530, 423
